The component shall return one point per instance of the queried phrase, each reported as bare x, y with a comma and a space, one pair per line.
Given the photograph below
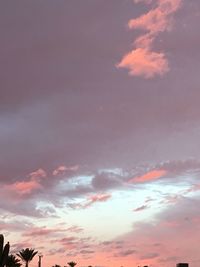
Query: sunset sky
100, 131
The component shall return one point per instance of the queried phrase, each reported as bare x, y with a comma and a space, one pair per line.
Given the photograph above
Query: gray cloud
106, 180
125, 253
147, 256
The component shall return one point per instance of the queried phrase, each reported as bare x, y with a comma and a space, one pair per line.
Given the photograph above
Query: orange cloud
24, 187
142, 61
149, 176
158, 19
145, 62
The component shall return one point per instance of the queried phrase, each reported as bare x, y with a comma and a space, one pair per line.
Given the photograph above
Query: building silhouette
182, 265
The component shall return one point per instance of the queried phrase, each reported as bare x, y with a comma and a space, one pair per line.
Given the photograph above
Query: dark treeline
24, 255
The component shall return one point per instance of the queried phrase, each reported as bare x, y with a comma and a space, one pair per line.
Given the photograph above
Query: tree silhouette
4, 251
12, 261
72, 263
27, 255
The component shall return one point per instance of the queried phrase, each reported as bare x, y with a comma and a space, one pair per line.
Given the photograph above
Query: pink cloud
62, 169
52, 231
99, 197
40, 173
27, 187
16, 247
40, 232
142, 60
193, 188
74, 243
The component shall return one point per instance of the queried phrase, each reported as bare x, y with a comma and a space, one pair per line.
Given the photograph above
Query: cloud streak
149, 176
143, 60
91, 201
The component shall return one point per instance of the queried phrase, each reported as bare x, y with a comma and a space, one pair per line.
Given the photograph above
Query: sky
99, 131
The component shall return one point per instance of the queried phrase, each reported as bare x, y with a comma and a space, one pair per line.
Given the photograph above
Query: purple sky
81, 127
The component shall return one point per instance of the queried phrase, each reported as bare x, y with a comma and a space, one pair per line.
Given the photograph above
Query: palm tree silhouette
27, 255
12, 261
72, 263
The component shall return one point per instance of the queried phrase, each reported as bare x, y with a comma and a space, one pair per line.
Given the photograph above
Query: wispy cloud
143, 207
90, 201
142, 60
63, 169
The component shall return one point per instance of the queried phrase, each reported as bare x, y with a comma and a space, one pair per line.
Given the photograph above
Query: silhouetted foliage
12, 261
4, 251
27, 255
72, 263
